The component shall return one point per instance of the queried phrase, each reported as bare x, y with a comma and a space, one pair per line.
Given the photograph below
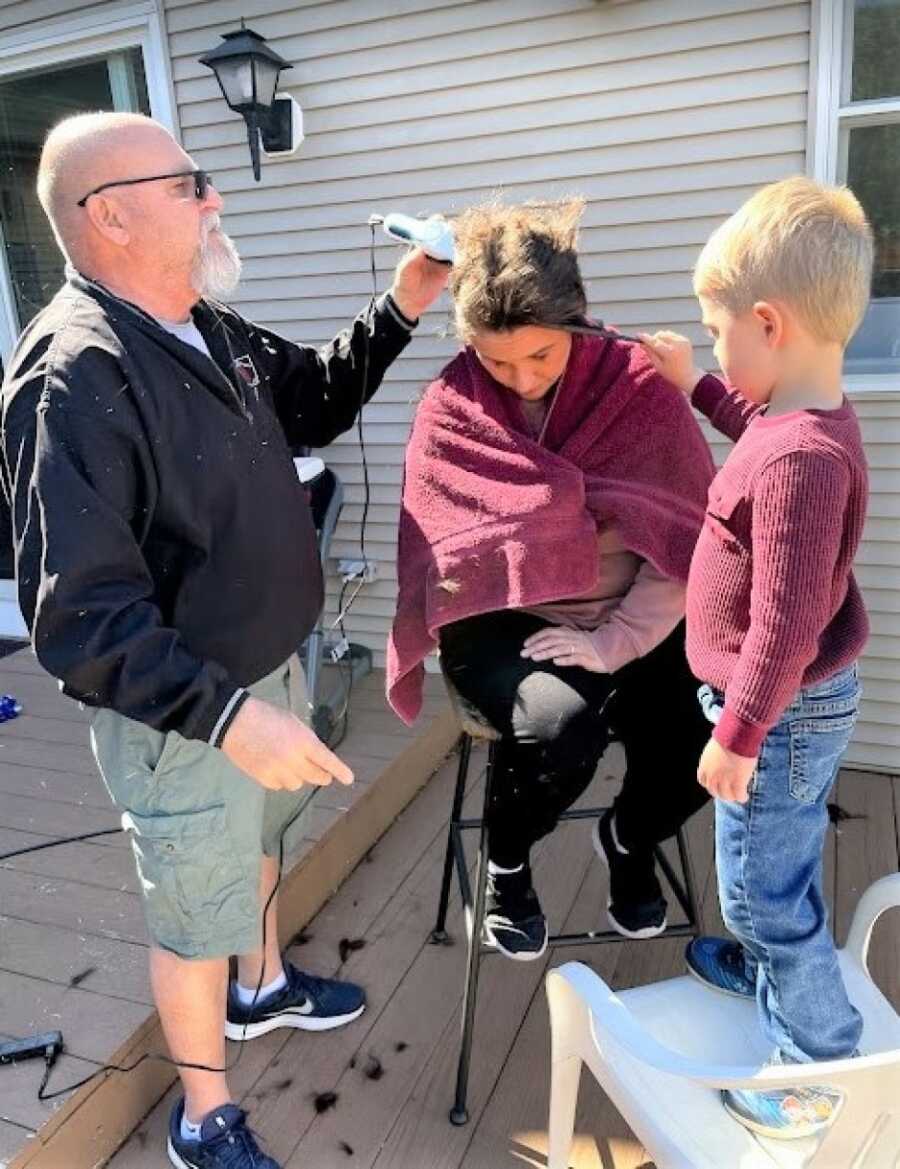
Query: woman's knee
547, 710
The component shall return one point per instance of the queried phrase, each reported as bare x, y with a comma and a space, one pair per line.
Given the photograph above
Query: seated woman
554, 489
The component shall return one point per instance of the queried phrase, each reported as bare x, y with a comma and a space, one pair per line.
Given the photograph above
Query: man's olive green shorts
199, 826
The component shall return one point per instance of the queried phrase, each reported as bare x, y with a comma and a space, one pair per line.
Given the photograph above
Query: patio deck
392, 1072
72, 937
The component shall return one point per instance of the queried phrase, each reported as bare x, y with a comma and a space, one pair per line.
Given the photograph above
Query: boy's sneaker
636, 907
513, 919
225, 1142
784, 1113
721, 964
307, 1003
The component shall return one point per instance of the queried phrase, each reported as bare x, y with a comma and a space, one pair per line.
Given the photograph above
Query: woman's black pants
556, 721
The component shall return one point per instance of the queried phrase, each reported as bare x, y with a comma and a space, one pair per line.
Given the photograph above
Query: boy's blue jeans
769, 863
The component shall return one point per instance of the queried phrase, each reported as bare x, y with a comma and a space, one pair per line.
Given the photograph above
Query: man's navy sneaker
225, 1142
307, 1003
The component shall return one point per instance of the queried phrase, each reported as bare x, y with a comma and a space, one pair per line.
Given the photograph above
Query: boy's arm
799, 503
673, 356
727, 410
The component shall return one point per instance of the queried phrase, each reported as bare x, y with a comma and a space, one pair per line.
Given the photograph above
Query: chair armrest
883, 894
611, 1019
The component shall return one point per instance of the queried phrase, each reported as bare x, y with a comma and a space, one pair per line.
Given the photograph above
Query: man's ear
107, 218
771, 318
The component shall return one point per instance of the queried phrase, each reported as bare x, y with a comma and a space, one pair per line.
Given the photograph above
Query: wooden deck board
81, 909
50, 818
72, 912
400, 1119
102, 965
88, 862
52, 785
12, 1138
39, 729
373, 903
54, 759
94, 1024
395, 941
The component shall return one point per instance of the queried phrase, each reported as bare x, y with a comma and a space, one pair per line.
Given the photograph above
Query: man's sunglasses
202, 183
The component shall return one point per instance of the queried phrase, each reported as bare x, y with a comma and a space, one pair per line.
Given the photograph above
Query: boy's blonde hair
799, 242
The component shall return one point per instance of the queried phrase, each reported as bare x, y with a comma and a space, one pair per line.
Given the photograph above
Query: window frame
831, 119
49, 43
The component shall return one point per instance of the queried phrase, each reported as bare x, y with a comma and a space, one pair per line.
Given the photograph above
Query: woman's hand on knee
565, 647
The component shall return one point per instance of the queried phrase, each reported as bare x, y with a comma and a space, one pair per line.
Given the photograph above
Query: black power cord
343, 609
342, 722
5, 856
53, 1054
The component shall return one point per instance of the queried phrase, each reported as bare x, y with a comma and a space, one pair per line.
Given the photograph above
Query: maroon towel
492, 519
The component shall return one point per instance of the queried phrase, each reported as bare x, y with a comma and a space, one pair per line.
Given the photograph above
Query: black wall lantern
247, 70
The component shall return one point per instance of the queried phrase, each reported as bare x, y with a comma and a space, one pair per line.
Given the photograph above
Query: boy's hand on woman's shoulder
673, 357
725, 775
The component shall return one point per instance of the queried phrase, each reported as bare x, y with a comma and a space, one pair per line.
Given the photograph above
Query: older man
168, 570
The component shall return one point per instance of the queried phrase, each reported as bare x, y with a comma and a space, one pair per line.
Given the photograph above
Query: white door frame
49, 43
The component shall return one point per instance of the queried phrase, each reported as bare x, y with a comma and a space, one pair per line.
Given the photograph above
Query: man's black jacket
165, 551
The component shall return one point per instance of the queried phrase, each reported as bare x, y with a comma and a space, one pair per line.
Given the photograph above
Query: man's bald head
85, 151
152, 235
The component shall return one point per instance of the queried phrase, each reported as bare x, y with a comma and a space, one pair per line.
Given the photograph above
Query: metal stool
474, 726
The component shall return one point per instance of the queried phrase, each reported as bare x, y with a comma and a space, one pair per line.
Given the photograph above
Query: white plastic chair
662, 1052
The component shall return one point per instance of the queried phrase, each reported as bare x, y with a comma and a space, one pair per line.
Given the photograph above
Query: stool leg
690, 884
439, 933
459, 1114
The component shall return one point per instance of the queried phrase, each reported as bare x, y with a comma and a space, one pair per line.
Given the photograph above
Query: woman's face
529, 360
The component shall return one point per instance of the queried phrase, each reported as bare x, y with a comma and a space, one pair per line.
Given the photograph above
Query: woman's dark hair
517, 265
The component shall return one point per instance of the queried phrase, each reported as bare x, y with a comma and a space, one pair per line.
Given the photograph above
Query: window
29, 105
859, 95
95, 58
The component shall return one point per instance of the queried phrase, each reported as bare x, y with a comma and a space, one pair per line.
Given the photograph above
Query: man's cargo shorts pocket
192, 883
130, 756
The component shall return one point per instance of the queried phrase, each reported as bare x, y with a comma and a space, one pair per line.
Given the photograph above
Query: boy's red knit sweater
772, 604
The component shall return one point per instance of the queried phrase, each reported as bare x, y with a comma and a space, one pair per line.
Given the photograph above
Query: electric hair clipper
433, 235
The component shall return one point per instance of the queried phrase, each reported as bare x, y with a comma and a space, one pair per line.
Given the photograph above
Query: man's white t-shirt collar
185, 331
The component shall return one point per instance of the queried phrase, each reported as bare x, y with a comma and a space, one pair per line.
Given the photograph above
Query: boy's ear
772, 320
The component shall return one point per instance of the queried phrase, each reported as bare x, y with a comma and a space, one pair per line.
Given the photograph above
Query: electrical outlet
338, 649
365, 570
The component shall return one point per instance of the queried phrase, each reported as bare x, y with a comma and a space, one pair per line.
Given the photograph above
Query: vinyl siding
663, 116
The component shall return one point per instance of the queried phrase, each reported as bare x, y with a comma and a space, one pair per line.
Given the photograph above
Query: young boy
775, 621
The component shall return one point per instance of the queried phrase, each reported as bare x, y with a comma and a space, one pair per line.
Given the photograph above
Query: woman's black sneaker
636, 907
514, 922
